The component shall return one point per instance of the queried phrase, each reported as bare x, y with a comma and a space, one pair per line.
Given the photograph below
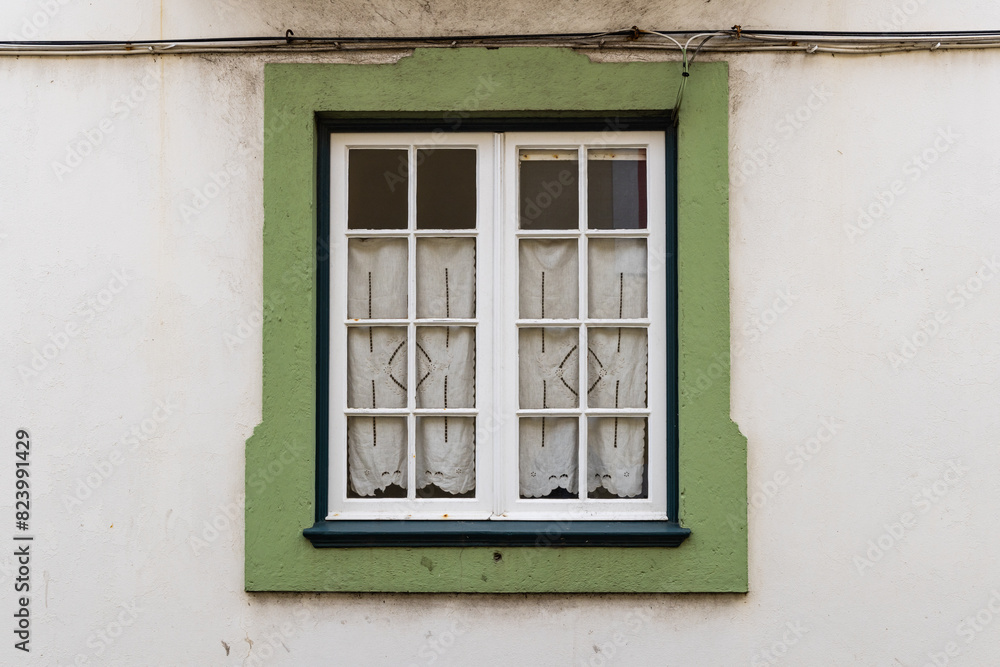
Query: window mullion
582, 477
411, 313
500, 436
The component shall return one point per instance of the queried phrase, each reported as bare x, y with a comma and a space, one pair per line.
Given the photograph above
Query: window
469, 271
536, 91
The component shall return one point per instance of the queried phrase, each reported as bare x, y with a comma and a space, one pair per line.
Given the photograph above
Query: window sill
326, 534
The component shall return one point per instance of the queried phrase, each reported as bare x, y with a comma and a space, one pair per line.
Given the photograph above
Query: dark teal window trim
430, 533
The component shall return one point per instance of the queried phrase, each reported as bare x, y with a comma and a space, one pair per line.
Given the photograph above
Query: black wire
346, 40
283, 40
703, 43
822, 33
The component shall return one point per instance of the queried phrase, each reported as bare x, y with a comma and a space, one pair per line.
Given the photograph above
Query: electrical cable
685, 64
733, 40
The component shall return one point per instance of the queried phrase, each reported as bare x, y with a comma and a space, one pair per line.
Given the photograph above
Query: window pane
446, 457
549, 278
376, 278
616, 188
616, 457
549, 368
616, 367
446, 277
547, 458
377, 184
446, 189
446, 367
616, 278
548, 193
376, 457
376, 367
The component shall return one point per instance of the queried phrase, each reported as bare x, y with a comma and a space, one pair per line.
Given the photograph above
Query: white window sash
654, 506
340, 505
497, 411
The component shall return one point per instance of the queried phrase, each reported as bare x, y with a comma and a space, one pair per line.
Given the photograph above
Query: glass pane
446, 367
446, 189
446, 457
377, 187
616, 367
549, 278
446, 277
616, 278
376, 367
549, 368
548, 193
547, 461
376, 457
376, 278
616, 188
616, 457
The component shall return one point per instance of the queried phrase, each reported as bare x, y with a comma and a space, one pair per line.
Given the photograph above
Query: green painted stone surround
280, 456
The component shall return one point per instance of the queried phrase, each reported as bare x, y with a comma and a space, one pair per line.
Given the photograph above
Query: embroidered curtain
548, 365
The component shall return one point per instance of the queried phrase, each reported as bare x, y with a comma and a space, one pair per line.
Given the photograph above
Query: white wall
854, 294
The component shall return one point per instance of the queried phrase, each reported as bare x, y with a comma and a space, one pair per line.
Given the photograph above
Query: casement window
457, 178
498, 326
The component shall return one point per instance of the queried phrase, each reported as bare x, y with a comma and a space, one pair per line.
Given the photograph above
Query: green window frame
457, 84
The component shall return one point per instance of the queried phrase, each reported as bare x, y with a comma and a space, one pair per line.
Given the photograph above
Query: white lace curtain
445, 364
548, 364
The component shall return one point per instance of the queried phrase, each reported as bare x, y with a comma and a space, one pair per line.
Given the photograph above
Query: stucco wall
140, 261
